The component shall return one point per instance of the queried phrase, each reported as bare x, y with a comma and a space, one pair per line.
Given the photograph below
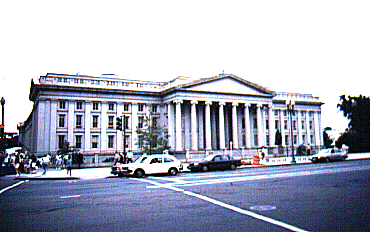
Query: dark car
215, 162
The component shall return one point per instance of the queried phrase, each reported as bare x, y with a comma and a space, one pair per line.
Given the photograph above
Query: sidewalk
97, 173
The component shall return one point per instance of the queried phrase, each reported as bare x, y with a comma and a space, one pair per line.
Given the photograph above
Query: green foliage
152, 138
357, 135
327, 140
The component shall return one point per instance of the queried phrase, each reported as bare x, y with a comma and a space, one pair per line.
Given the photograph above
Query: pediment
228, 84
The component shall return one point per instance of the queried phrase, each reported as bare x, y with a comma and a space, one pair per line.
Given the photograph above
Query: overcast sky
317, 47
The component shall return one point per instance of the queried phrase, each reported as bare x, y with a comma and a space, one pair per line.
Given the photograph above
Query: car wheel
172, 172
205, 168
327, 159
232, 166
139, 173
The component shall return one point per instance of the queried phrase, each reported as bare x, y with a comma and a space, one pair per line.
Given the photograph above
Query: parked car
327, 155
149, 164
215, 162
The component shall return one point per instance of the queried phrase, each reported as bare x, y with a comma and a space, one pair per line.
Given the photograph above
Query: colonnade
209, 129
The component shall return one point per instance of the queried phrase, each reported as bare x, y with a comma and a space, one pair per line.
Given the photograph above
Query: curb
46, 178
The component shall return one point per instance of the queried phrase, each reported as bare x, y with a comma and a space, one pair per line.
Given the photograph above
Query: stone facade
215, 113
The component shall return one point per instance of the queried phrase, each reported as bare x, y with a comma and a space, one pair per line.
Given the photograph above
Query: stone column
271, 127
308, 127
235, 126
194, 134
317, 128
70, 122
103, 126
178, 126
259, 125
299, 112
87, 126
247, 126
208, 126
171, 127
53, 126
282, 129
222, 125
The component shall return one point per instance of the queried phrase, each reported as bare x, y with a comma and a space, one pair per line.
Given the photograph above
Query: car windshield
209, 158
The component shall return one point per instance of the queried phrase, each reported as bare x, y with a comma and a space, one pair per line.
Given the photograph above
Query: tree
278, 138
152, 138
357, 135
327, 140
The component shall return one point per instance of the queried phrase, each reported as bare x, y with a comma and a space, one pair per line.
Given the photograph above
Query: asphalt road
310, 197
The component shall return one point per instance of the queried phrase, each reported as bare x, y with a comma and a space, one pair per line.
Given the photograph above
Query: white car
330, 154
149, 164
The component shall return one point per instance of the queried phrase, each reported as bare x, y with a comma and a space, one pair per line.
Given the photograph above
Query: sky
313, 47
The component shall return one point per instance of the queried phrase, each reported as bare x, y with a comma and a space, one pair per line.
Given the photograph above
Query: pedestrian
17, 162
130, 156
69, 166
45, 163
116, 158
2, 157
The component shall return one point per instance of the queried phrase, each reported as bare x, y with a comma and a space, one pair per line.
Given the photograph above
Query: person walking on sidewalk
69, 166
45, 163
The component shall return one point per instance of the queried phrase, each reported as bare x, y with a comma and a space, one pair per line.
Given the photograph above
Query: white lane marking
267, 176
12, 186
245, 212
224, 205
73, 196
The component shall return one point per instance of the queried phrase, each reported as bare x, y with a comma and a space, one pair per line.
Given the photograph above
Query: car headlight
196, 164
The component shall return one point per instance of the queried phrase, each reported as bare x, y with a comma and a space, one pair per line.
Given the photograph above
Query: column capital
247, 104
193, 102
208, 103
222, 103
259, 105
235, 103
178, 101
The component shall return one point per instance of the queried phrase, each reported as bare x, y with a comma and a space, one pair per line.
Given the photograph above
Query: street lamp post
290, 108
2, 122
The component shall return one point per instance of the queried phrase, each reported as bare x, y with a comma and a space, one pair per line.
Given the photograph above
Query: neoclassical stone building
214, 113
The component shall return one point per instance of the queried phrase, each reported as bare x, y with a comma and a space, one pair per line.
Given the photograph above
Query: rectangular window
255, 140
154, 108
110, 141
110, 106
140, 122
94, 141
140, 143
127, 141
61, 139
303, 125
125, 122
110, 121
276, 112
95, 121
303, 113
62, 118
79, 105
286, 140
62, 105
255, 123
78, 141
311, 125
154, 121
95, 105
311, 138
285, 124
304, 138
285, 113
295, 139
243, 123
78, 121
276, 124
294, 125
141, 107
126, 107
267, 124
267, 140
